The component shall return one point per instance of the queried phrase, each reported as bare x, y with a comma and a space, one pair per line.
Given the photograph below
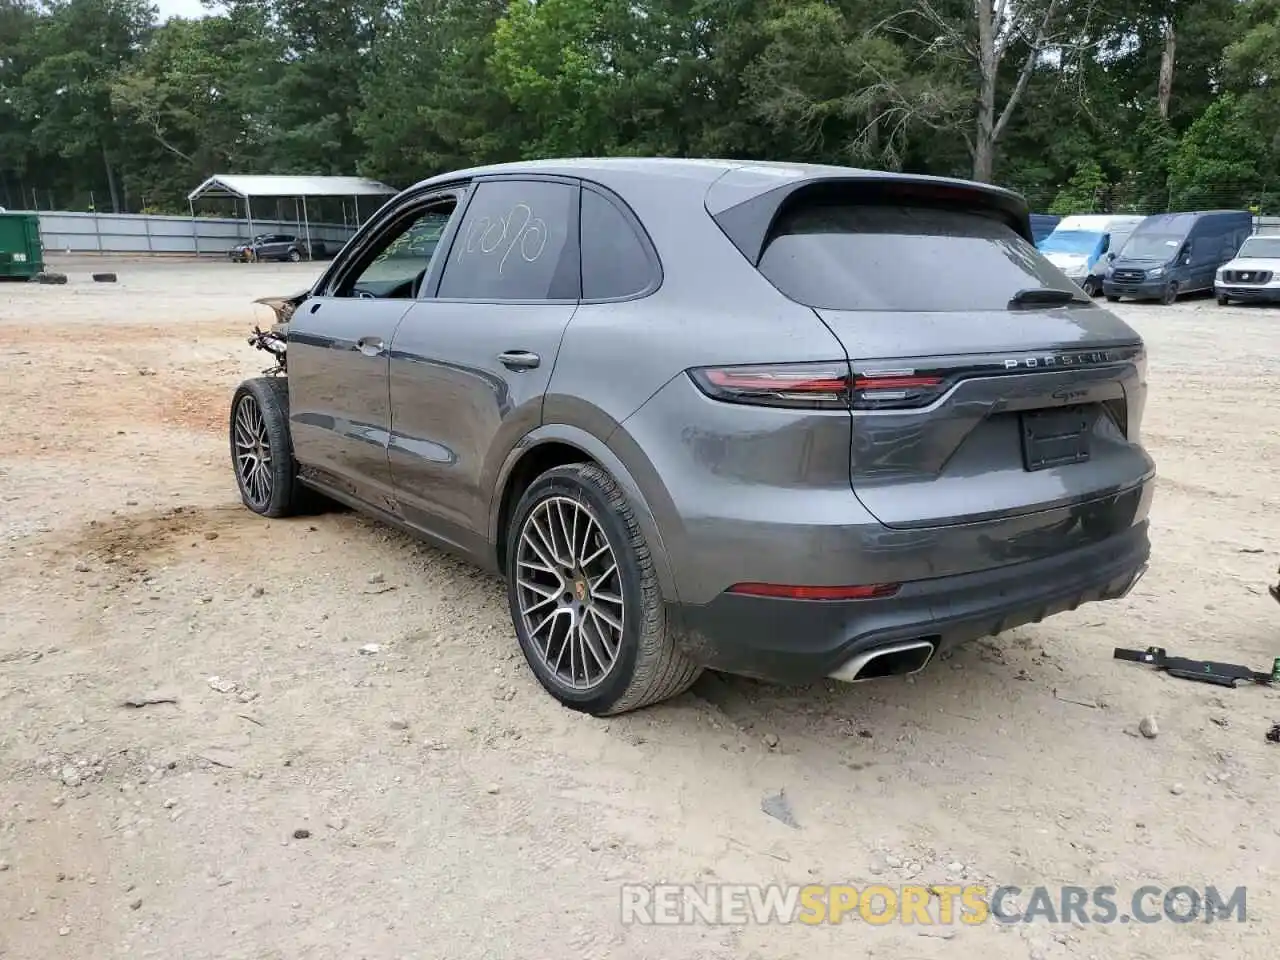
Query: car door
1211, 238
1221, 250
471, 361
339, 350
1183, 269
1202, 247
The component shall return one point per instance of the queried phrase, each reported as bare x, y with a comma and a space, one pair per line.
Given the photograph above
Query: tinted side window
615, 261
517, 241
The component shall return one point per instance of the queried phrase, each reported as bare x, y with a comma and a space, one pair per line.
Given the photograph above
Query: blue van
1170, 254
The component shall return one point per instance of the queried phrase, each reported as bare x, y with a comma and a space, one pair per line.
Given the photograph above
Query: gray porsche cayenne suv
778, 420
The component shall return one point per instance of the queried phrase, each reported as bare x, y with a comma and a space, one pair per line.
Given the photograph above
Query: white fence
134, 233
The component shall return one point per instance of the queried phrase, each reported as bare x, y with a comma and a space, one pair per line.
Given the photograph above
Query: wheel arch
553, 445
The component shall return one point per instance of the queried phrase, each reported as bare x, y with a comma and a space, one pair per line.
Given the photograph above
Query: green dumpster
21, 253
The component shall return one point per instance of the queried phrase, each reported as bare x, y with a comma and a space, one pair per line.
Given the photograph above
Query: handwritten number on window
418, 241
519, 232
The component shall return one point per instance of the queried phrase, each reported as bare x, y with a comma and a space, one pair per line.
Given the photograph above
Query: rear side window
517, 241
615, 261
850, 256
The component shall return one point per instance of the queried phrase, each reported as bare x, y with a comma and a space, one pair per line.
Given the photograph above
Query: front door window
395, 267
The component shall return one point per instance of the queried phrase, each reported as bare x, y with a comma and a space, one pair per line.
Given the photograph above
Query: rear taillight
806, 386
896, 389
890, 384
819, 386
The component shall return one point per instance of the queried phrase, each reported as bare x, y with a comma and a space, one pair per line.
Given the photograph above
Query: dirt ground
301, 797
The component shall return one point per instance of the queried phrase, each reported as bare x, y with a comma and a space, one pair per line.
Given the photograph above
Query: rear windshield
881, 257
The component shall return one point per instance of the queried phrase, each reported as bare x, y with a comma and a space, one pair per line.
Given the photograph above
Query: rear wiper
1042, 296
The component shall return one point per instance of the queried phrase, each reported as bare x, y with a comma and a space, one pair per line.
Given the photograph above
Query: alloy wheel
253, 452
569, 592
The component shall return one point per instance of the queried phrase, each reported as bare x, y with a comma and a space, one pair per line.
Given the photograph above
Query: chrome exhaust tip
894, 660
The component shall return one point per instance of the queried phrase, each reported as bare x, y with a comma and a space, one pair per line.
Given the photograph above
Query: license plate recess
1054, 438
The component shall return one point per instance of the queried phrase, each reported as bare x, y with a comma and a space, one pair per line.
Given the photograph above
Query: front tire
1223, 300
1112, 298
1169, 295
1091, 286
584, 597
261, 448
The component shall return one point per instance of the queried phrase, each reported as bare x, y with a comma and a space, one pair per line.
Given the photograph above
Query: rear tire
262, 449
574, 548
1169, 295
295, 256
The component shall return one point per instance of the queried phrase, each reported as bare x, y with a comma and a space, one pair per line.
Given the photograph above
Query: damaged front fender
276, 340
284, 307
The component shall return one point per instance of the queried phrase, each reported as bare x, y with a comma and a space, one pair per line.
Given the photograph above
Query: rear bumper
1269, 294
799, 641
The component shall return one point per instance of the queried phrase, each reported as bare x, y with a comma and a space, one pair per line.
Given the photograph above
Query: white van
1079, 246
1254, 275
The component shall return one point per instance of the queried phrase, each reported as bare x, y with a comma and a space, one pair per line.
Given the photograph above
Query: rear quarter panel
712, 308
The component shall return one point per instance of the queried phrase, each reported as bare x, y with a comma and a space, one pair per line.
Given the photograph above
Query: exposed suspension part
275, 344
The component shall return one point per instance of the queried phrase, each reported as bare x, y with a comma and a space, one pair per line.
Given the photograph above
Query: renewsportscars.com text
929, 905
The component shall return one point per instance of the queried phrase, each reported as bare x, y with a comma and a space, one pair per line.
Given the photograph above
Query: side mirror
1111, 255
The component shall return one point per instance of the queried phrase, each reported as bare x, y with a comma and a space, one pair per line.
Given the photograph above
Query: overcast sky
179, 8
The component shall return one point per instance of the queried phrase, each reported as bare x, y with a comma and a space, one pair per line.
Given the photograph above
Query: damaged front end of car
276, 340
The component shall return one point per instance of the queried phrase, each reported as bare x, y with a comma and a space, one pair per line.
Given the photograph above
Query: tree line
1083, 106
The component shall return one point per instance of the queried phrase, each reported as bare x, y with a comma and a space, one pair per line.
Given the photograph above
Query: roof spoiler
747, 213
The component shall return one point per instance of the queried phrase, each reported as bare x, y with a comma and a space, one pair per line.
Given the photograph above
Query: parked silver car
785, 421
276, 246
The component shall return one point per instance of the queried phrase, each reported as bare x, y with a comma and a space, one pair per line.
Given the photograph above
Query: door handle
370, 346
519, 360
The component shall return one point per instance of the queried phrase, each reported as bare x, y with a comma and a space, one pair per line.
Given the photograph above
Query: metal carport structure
247, 187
